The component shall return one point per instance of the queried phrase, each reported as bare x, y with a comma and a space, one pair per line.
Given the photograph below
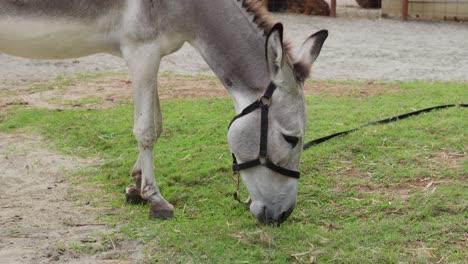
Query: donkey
237, 39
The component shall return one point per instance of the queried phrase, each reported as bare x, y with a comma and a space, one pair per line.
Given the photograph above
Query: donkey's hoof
132, 195
165, 211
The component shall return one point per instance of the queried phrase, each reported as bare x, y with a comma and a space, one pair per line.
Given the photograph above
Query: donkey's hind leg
143, 62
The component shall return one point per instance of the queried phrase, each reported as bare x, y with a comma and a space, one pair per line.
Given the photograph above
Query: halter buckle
264, 101
263, 159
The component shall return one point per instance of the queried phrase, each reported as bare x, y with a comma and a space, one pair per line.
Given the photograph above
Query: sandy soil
38, 216
104, 92
357, 49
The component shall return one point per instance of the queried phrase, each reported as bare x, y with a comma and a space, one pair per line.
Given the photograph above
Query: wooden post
333, 8
404, 9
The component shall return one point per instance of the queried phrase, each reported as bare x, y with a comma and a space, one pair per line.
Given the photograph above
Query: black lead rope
263, 103
380, 122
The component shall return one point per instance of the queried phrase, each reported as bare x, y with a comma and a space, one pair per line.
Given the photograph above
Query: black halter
263, 103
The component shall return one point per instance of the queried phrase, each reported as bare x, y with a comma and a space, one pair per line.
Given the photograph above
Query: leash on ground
380, 122
317, 141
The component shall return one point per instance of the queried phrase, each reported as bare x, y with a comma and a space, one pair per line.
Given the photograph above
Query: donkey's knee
146, 137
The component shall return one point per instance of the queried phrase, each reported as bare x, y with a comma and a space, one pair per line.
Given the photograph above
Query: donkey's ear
308, 53
274, 49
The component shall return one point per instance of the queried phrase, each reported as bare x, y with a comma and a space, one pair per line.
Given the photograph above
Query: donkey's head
267, 141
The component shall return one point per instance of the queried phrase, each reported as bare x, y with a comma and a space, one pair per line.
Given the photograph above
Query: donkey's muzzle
269, 215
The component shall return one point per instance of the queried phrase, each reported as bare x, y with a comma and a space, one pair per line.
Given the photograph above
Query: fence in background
404, 9
426, 9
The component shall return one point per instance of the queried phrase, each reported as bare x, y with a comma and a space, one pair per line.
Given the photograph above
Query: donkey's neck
234, 47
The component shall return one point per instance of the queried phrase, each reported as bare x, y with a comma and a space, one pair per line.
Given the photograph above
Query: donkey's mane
260, 13
264, 21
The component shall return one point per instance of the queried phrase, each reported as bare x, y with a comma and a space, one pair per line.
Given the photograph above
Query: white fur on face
266, 188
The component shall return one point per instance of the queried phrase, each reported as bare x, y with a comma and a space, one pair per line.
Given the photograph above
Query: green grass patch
386, 194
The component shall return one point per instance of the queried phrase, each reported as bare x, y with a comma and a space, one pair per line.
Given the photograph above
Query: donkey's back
55, 29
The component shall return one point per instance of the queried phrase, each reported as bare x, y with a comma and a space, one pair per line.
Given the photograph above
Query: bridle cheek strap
263, 103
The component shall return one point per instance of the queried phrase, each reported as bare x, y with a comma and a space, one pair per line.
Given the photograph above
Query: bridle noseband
263, 159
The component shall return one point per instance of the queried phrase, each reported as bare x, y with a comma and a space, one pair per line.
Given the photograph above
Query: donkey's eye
291, 140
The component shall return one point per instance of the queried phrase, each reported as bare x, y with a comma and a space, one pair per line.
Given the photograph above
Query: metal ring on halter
236, 193
264, 101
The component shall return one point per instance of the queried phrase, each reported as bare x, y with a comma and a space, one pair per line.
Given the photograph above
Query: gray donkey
238, 41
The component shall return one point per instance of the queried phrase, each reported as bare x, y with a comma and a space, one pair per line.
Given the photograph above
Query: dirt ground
104, 92
357, 49
39, 216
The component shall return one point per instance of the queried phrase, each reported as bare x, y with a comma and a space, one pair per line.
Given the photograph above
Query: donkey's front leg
143, 63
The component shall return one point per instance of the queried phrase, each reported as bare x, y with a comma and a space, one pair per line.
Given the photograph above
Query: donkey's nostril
284, 215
